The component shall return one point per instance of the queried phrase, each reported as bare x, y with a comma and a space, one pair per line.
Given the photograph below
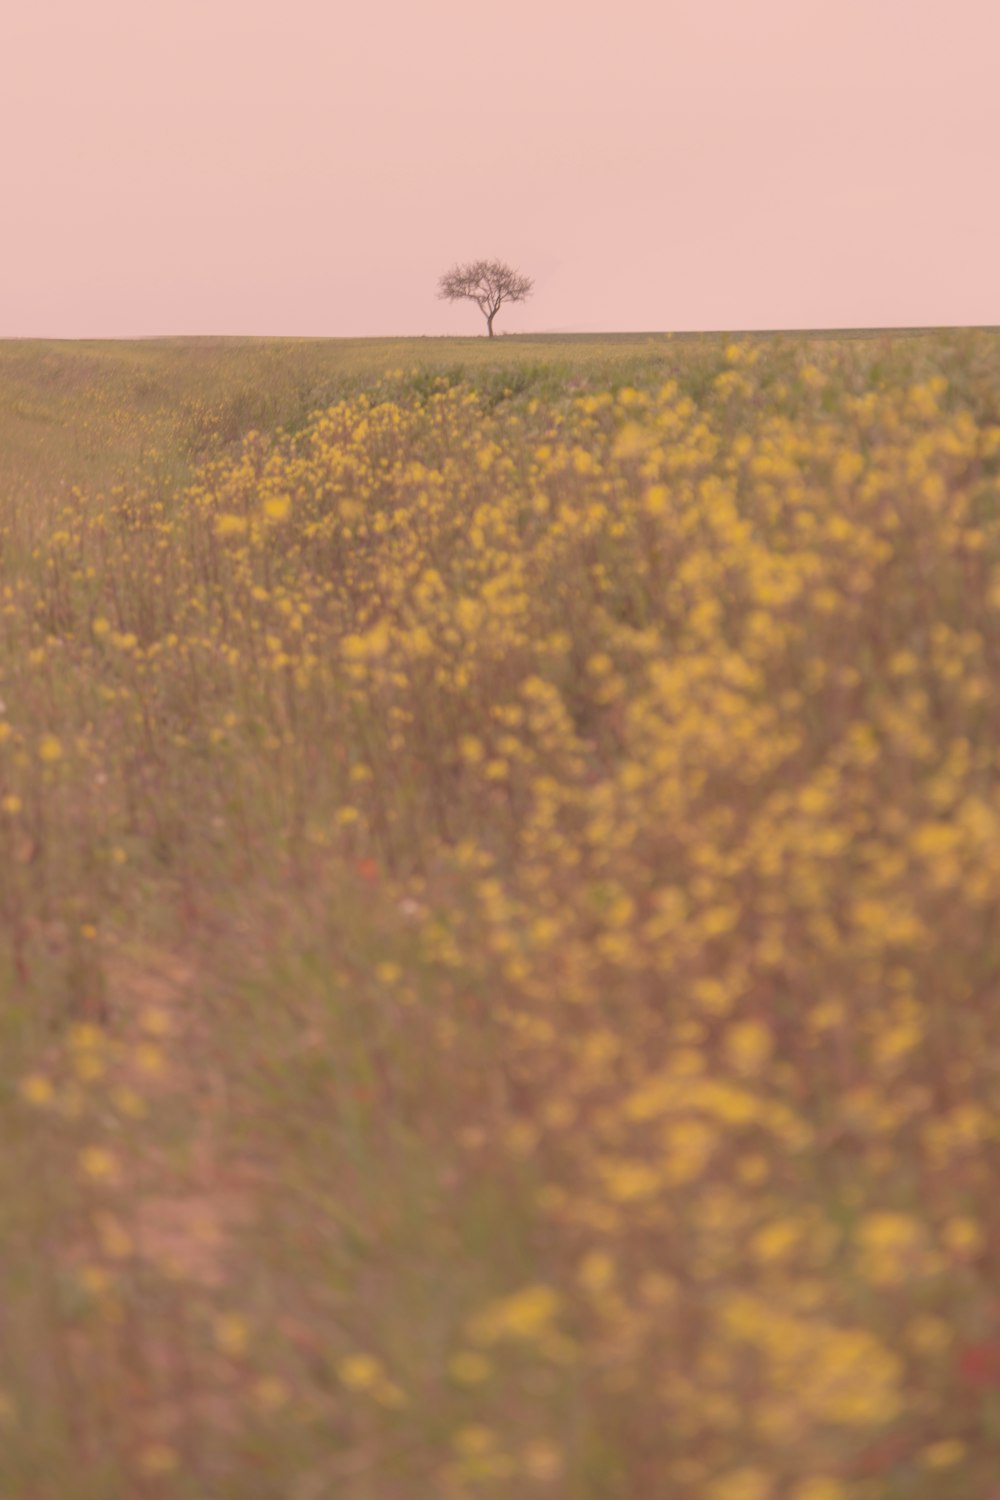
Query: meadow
499, 896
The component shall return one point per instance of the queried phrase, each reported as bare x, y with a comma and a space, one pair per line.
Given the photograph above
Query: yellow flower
88, 1066
628, 1181
527, 1314
270, 1394
49, 749
689, 1144
230, 525
963, 1236
891, 1248
99, 1164
927, 1334
157, 1459
154, 1020
95, 1280
633, 440
943, 1455
742, 1484
148, 1058
474, 1439
471, 749
85, 1036
231, 1334
820, 1487
775, 1241
542, 1460
276, 507
128, 1102
115, 1239
748, 1045
596, 1272
360, 1372
469, 1368
36, 1089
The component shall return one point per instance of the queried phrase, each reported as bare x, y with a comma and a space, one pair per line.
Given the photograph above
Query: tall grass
499, 881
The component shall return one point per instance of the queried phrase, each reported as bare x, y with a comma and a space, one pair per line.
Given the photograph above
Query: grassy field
500, 918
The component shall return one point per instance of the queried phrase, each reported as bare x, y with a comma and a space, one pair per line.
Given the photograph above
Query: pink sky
311, 167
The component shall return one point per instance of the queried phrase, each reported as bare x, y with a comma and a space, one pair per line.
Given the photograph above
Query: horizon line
854, 328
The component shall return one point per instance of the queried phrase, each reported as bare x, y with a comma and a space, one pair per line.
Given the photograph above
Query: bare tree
487, 283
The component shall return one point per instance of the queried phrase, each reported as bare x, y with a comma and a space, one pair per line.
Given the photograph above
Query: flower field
500, 929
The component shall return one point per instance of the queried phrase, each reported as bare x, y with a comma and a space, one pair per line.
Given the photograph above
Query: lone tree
487, 283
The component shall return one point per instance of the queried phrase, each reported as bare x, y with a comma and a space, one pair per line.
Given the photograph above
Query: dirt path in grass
160, 1358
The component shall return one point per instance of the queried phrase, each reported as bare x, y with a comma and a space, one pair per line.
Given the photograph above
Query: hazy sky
311, 166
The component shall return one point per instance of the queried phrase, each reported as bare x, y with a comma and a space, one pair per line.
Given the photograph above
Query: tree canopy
487, 283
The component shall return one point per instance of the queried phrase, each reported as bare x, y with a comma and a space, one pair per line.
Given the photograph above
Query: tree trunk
489, 324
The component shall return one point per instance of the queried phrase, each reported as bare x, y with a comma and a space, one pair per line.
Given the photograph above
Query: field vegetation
500, 919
